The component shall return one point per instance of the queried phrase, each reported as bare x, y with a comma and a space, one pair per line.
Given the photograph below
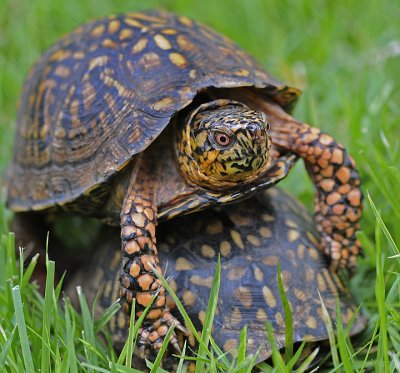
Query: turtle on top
141, 117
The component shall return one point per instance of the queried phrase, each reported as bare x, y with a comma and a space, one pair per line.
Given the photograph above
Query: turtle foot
152, 334
343, 255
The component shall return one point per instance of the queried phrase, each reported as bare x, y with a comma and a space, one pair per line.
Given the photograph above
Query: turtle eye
222, 139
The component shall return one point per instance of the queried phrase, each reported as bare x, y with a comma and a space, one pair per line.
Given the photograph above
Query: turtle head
224, 143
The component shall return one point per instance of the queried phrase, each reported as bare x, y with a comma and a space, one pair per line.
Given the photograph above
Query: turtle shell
104, 92
252, 238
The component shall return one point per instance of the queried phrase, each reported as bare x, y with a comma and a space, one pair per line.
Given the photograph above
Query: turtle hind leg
338, 198
139, 258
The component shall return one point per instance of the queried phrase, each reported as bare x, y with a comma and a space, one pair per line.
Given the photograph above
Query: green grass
343, 54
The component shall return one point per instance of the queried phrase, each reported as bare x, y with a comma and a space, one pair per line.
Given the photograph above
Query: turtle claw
341, 257
152, 335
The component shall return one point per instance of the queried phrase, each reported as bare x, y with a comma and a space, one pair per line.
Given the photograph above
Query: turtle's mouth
245, 164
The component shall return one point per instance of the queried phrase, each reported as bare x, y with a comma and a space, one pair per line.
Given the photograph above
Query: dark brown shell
252, 237
106, 91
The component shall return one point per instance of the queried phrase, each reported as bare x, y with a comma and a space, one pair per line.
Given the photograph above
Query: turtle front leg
139, 257
338, 199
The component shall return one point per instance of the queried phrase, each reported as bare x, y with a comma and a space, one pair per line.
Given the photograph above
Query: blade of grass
5, 348
241, 351
23, 336
157, 361
47, 314
180, 367
70, 327
208, 322
331, 332
382, 226
88, 332
383, 349
276, 356
29, 271
288, 318
342, 341
307, 362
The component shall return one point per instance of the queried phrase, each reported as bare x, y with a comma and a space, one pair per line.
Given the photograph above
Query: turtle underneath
252, 238
139, 118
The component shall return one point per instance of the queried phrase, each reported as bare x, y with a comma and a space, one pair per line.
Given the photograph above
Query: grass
345, 55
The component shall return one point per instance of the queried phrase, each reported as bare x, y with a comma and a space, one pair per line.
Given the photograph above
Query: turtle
251, 238
141, 117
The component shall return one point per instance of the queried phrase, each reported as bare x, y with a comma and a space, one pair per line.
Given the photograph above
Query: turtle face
224, 143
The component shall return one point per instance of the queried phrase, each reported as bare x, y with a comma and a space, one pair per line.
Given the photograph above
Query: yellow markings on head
208, 158
140, 45
178, 60
162, 42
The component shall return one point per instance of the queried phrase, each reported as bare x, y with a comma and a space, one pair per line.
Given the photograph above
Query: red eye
222, 139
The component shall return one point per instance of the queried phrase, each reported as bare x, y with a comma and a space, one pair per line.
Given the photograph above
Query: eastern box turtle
251, 237
96, 100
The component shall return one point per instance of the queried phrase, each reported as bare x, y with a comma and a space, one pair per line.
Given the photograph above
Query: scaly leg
338, 199
139, 257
